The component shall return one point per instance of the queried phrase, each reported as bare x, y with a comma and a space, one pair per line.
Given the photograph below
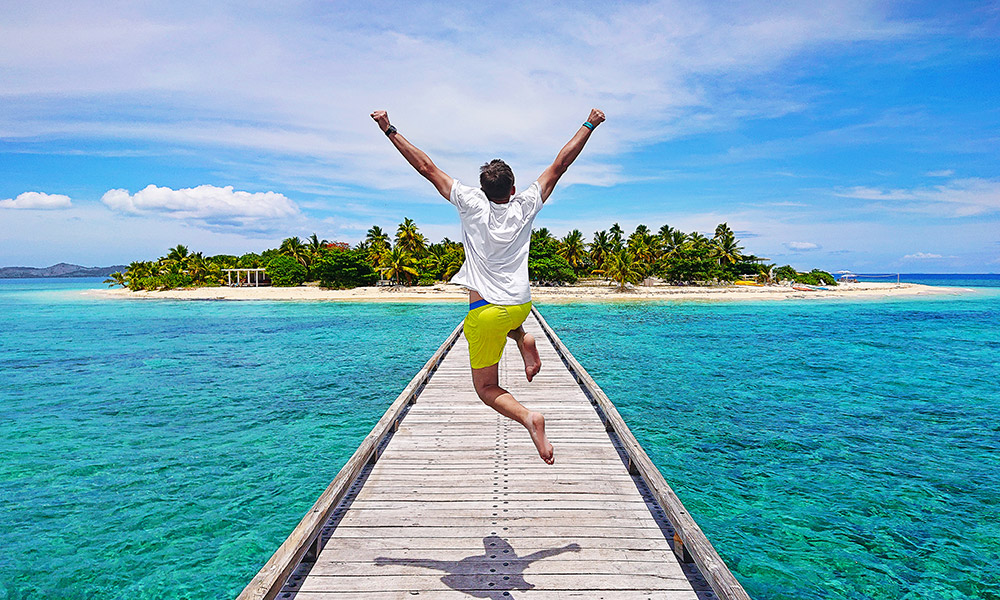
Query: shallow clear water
939, 279
158, 449
828, 449
163, 449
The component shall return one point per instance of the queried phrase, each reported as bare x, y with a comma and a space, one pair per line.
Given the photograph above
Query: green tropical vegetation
546, 265
344, 270
814, 277
668, 254
286, 271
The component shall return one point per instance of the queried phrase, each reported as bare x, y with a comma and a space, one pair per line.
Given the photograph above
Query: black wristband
390, 131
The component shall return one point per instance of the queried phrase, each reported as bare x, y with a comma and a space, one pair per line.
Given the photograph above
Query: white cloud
462, 90
956, 198
782, 204
941, 173
206, 204
90, 234
870, 193
37, 201
801, 246
922, 256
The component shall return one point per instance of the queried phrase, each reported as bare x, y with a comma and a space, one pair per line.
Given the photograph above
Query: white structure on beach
254, 277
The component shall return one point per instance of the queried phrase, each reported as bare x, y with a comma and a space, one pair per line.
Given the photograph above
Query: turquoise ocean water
830, 449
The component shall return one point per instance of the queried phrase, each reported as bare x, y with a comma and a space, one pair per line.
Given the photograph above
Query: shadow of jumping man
493, 574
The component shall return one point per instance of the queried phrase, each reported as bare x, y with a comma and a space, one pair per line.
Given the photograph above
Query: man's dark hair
496, 178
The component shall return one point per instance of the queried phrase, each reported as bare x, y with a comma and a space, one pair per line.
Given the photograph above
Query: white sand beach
571, 293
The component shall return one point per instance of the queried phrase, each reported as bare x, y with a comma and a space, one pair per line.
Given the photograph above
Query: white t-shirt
496, 239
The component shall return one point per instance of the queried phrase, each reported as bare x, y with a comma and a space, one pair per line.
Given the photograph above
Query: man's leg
529, 352
487, 385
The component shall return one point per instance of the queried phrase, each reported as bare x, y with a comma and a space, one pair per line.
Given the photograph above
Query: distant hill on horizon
58, 270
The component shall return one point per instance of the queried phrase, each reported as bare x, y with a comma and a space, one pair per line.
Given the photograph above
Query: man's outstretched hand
382, 118
417, 159
596, 117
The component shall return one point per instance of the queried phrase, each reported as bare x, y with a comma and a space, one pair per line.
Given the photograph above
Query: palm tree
117, 278
616, 236
140, 269
398, 264
622, 268
573, 249
722, 230
436, 251
294, 247
766, 272
195, 266
178, 253
314, 244
727, 249
409, 238
454, 251
599, 249
644, 250
376, 237
175, 262
376, 245
434, 261
453, 260
696, 240
641, 235
541, 236
201, 270
170, 266
677, 239
377, 253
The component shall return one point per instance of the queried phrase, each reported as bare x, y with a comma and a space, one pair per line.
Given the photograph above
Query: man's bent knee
488, 392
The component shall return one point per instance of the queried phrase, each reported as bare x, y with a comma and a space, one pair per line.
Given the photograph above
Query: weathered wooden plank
512, 514
486, 504
458, 487
476, 544
460, 531
556, 565
497, 581
527, 498
531, 594
558, 520
420, 468
483, 455
597, 557
428, 478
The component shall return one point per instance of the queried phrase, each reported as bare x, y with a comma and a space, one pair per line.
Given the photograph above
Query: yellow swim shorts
486, 329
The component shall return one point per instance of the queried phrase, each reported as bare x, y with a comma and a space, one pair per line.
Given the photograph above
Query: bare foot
536, 427
529, 352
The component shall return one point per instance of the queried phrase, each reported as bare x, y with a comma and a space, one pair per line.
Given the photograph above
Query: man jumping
496, 233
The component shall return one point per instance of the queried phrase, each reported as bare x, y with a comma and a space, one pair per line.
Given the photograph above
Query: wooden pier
447, 499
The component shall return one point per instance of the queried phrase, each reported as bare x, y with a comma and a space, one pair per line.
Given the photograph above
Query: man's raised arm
413, 155
547, 180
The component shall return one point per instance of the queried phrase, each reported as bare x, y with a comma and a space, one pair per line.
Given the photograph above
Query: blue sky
853, 135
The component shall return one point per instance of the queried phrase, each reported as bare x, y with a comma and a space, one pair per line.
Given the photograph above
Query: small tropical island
642, 265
